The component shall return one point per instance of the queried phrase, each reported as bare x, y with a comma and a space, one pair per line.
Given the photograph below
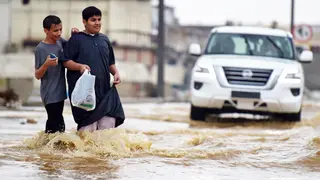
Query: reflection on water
54, 165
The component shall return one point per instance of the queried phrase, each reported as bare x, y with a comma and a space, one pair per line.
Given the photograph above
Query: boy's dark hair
50, 20
90, 12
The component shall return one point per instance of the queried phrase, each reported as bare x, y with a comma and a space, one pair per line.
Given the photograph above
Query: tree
274, 24
229, 23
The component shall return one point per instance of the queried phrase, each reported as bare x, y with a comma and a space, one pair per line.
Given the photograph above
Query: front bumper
285, 97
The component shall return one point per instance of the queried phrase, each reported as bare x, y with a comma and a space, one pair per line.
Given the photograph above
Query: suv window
248, 44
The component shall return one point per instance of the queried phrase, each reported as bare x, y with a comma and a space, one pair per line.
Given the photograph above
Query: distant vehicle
248, 70
300, 49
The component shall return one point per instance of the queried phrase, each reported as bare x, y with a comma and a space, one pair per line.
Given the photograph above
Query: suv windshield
251, 45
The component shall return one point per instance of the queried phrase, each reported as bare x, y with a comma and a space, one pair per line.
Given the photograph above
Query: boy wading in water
94, 49
50, 70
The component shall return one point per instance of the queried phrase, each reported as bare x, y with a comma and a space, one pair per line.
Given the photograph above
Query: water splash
108, 143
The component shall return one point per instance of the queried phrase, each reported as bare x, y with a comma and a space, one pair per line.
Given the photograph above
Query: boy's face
54, 32
93, 25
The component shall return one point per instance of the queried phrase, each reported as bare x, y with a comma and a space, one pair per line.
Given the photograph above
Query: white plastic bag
83, 95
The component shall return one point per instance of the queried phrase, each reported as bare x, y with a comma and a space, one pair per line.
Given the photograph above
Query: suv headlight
294, 74
201, 69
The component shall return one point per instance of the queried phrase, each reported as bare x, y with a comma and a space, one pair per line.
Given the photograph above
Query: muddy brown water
158, 141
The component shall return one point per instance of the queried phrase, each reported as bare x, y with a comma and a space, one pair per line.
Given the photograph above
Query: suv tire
197, 113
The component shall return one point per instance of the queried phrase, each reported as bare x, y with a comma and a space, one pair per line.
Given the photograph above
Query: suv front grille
247, 76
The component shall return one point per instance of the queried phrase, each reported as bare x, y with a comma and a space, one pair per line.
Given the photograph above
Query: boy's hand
117, 79
74, 30
84, 67
51, 62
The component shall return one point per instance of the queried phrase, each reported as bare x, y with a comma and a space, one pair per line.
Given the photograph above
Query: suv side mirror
306, 56
195, 50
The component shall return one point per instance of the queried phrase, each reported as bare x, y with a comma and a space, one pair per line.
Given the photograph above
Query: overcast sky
211, 12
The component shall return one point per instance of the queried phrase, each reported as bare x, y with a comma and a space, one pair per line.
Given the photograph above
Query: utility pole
292, 17
161, 49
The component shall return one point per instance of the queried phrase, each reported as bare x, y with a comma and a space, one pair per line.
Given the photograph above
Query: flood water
158, 141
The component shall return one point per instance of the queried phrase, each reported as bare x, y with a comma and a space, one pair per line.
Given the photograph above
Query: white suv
248, 70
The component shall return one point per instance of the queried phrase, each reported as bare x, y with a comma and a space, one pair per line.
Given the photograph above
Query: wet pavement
158, 141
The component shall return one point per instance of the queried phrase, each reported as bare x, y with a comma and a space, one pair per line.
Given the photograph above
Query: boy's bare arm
39, 73
73, 66
114, 71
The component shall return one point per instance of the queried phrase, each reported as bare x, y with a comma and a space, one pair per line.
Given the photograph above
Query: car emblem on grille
247, 73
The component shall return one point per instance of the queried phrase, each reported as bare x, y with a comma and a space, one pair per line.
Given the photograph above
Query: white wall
130, 15
17, 65
5, 23
116, 15
27, 19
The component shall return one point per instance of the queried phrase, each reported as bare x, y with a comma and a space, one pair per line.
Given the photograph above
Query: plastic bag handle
86, 71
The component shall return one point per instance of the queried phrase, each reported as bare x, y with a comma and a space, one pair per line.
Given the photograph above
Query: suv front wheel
292, 117
197, 113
